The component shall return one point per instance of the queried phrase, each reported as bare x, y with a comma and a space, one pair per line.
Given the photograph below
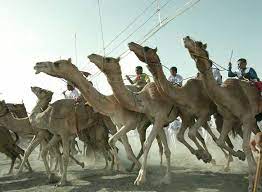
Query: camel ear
118, 59
69, 60
155, 49
205, 46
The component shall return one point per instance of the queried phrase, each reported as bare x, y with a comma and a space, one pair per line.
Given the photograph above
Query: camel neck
125, 96
164, 86
213, 89
18, 125
98, 101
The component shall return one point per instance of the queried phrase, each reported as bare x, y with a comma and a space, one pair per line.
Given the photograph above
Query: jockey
141, 78
243, 72
71, 92
175, 78
217, 75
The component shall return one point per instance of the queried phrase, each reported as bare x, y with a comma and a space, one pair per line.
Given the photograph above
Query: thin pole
159, 14
75, 50
231, 55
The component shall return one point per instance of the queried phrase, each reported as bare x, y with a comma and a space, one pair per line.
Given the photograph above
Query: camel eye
56, 64
146, 49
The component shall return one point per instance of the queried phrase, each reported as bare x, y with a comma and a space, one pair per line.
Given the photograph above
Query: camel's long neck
125, 96
41, 105
166, 87
18, 125
213, 89
99, 102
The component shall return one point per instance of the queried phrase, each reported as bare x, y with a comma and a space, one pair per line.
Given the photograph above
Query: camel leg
142, 137
40, 149
181, 138
160, 146
248, 125
130, 154
33, 144
66, 150
227, 127
201, 153
81, 164
167, 177
158, 124
228, 156
55, 139
12, 165
122, 134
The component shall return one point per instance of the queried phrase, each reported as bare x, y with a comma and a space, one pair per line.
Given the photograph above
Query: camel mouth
41, 67
187, 42
95, 58
132, 46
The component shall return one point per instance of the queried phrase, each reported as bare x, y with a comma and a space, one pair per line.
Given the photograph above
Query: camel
192, 96
9, 148
124, 119
97, 138
64, 119
148, 101
237, 100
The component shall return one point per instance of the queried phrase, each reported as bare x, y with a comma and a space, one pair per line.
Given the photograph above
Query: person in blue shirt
243, 72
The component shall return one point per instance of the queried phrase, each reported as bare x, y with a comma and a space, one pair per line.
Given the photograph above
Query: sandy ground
188, 174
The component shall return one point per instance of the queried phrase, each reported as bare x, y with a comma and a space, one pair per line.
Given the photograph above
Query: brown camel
192, 97
237, 100
97, 137
64, 119
124, 119
148, 101
9, 148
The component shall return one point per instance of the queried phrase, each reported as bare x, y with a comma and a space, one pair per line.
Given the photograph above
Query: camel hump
67, 107
62, 108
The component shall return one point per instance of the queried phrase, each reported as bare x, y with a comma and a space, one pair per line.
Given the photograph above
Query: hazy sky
40, 30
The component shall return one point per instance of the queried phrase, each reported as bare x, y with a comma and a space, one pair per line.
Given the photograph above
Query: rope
75, 50
165, 21
179, 12
139, 27
130, 24
101, 26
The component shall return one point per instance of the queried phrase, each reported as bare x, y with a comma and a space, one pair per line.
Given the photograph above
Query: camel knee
192, 134
167, 153
220, 143
246, 148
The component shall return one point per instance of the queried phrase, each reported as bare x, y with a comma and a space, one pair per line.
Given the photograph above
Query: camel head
3, 108
60, 68
108, 65
144, 54
42, 93
198, 52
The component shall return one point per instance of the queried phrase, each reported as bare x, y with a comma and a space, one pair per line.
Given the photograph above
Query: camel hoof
8, 174
206, 157
82, 165
166, 180
226, 169
241, 155
62, 183
198, 154
51, 178
141, 178
213, 162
